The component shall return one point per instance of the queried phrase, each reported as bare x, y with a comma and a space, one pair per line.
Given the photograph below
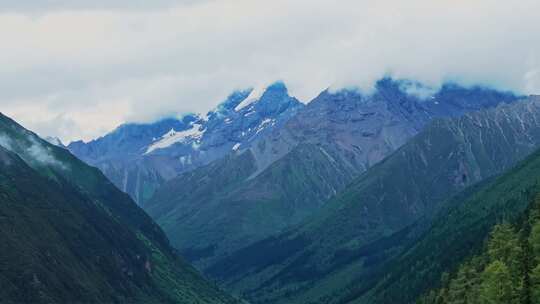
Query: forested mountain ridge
382, 210
69, 235
459, 233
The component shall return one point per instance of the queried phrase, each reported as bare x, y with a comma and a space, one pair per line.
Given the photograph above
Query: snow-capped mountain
290, 174
140, 157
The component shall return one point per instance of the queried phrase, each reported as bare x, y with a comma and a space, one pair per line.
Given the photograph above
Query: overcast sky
77, 69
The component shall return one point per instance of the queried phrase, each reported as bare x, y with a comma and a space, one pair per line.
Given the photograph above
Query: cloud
41, 6
42, 154
31, 150
5, 142
418, 90
76, 70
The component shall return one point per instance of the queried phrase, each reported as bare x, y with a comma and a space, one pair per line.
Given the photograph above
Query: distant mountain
337, 255
289, 174
70, 236
138, 158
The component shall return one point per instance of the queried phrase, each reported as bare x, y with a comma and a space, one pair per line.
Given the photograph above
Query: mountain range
138, 158
335, 255
288, 175
335, 201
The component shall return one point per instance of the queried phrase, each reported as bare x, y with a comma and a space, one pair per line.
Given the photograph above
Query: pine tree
534, 244
512, 274
457, 292
535, 285
504, 245
496, 286
463, 289
534, 240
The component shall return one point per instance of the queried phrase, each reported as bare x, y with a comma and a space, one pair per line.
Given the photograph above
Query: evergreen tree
463, 289
535, 285
508, 271
496, 286
443, 293
504, 246
534, 240
527, 263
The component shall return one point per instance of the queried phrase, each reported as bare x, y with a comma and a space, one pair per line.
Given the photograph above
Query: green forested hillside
460, 232
507, 270
69, 236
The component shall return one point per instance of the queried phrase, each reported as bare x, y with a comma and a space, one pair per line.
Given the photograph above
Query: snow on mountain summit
170, 138
253, 96
140, 157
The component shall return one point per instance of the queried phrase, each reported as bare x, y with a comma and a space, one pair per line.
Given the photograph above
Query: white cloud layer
76, 69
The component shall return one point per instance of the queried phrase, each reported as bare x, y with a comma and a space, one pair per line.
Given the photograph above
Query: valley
269, 152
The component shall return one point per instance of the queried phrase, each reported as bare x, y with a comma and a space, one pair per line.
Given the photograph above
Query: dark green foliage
462, 288
508, 268
69, 236
534, 239
535, 285
457, 233
496, 285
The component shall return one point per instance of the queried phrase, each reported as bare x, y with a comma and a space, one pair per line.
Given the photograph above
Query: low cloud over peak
74, 70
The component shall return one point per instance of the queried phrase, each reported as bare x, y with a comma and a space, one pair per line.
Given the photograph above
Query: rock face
70, 236
335, 255
367, 128
138, 158
289, 174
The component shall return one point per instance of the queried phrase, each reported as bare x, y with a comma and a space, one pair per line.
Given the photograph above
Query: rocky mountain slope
287, 175
334, 256
69, 235
138, 158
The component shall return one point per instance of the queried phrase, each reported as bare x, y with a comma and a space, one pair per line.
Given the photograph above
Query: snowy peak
190, 135
129, 140
234, 99
254, 95
242, 117
274, 95
261, 110
140, 157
